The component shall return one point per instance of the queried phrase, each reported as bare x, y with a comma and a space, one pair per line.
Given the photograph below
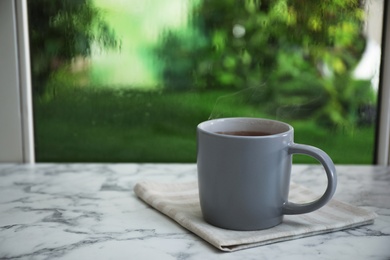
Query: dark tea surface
245, 133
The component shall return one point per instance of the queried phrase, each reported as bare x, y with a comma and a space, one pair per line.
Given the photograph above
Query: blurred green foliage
299, 54
289, 60
60, 31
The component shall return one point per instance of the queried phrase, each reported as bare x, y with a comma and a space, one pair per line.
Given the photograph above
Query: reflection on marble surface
89, 211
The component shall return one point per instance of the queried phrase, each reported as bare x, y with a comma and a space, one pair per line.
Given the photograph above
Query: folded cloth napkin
180, 202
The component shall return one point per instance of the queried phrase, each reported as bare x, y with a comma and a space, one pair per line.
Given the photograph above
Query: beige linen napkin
180, 202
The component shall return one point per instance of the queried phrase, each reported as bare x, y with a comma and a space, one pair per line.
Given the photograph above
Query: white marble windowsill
89, 211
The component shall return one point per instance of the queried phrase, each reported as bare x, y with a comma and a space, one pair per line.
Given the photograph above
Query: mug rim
201, 127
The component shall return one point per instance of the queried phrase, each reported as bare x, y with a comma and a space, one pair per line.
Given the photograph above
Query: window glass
128, 81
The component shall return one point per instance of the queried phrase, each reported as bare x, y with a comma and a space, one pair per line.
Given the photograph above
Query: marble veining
89, 211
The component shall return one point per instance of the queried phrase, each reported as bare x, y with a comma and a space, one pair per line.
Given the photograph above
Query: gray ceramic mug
244, 178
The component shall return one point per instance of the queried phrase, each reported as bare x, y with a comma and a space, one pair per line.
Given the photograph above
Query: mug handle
290, 208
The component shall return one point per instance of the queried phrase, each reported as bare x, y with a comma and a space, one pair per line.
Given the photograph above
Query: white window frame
16, 120
383, 132
16, 123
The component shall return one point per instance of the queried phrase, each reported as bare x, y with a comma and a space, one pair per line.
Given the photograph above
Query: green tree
299, 54
61, 30
177, 53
